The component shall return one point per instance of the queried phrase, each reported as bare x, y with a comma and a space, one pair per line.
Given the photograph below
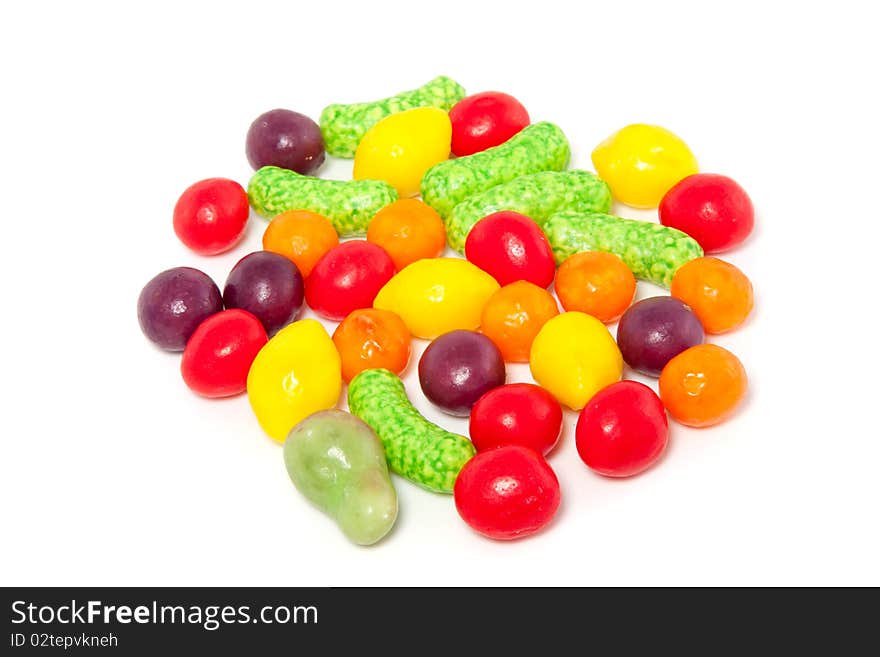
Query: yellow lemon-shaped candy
401, 147
297, 373
437, 295
573, 357
642, 162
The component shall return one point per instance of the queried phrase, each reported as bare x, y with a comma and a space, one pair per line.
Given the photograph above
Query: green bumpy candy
349, 204
343, 126
653, 252
337, 462
537, 195
416, 449
538, 147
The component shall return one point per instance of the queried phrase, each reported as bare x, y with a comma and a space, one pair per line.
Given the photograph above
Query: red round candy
623, 429
210, 216
485, 120
511, 247
348, 277
711, 208
219, 353
516, 414
506, 493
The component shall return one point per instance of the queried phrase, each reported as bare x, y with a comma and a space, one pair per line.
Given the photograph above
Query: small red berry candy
516, 414
623, 430
348, 277
510, 247
210, 216
711, 208
507, 493
485, 120
219, 353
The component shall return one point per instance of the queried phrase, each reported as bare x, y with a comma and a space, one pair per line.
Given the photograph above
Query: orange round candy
408, 230
302, 236
595, 283
513, 316
718, 293
703, 385
370, 338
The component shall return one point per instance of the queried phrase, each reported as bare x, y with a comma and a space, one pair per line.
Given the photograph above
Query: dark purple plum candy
267, 285
653, 331
290, 140
173, 304
458, 368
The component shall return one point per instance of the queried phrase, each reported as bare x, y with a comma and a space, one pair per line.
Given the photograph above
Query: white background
113, 473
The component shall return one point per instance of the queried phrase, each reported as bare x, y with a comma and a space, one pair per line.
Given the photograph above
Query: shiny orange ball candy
595, 283
370, 338
409, 230
513, 316
703, 385
302, 236
718, 293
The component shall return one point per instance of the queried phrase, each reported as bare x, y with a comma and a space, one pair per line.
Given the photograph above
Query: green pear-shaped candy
338, 463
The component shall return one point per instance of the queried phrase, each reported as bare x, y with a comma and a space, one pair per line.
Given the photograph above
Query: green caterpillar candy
415, 448
349, 204
538, 147
537, 195
343, 126
653, 252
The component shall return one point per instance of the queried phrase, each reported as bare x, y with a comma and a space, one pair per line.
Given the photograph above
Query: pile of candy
507, 201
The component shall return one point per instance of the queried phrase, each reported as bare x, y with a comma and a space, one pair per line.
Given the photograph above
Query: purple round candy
458, 368
267, 285
173, 304
286, 139
655, 330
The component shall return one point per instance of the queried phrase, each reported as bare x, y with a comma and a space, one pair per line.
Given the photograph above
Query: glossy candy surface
337, 462
654, 330
623, 430
210, 216
516, 414
717, 291
219, 353
173, 303
458, 368
348, 277
437, 295
642, 162
401, 147
286, 139
573, 357
507, 493
596, 283
511, 247
423, 452
301, 236
371, 338
267, 285
485, 120
513, 316
703, 385
295, 374
408, 230
712, 209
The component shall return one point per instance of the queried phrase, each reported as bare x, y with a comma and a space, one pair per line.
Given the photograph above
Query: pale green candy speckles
538, 147
343, 126
537, 195
415, 448
653, 252
349, 204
